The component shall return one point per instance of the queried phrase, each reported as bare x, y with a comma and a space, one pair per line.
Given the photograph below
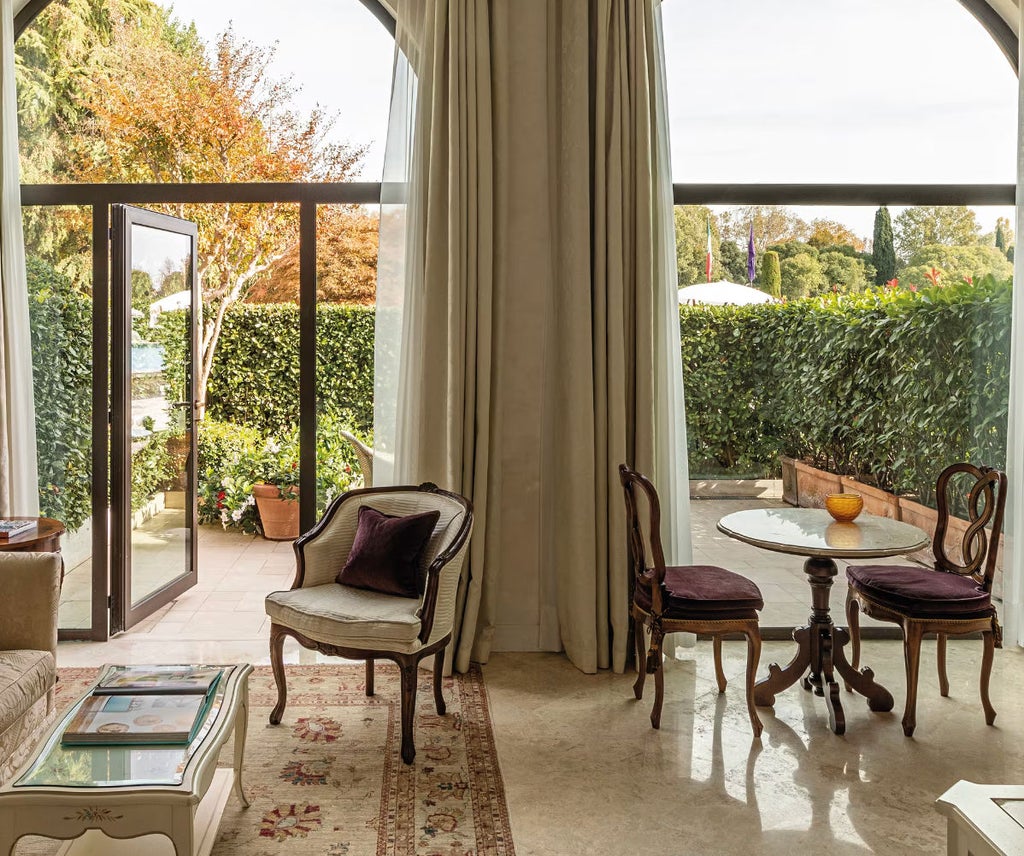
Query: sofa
28, 651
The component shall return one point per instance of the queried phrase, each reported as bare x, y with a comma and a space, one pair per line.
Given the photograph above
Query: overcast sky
759, 90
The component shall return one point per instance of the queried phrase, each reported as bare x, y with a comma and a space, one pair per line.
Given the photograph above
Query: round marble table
813, 533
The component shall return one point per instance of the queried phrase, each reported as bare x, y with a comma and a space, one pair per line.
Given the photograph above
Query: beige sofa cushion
353, 618
25, 677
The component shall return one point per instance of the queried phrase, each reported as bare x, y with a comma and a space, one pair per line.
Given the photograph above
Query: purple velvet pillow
385, 556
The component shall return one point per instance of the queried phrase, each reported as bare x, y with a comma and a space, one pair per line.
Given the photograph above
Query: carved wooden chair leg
369, 676
753, 657
940, 660
641, 657
659, 694
410, 676
719, 673
277, 635
986, 671
853, 625
912, 657
439, 704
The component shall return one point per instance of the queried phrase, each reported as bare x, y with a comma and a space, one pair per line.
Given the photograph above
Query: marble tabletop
813, 532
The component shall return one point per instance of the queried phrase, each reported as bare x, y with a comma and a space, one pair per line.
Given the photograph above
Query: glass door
155, 303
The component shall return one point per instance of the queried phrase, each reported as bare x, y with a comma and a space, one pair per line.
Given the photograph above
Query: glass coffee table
131, 790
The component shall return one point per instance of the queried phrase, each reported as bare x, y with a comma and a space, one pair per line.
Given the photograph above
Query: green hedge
889, 386
886, 385
255, 377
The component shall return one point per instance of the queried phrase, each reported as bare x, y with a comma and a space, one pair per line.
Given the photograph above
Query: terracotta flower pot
279, 517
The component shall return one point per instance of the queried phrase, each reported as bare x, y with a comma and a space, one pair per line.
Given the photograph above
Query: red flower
892, 283
220, 499
912, 287
933, 276
969, 280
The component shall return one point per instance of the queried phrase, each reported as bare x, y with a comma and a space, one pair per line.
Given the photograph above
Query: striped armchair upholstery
354, 623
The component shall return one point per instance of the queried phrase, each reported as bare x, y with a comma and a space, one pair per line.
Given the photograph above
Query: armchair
358, 624
28, 652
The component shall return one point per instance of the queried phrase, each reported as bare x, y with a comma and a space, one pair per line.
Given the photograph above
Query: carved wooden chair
689, 599
359, 624
953, 599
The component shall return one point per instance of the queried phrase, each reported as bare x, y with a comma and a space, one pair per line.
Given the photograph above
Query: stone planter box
789, 488
876, 501
813, 485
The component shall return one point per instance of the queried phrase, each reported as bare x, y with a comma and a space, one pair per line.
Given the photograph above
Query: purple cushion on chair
921, 592
385, 555
703, 591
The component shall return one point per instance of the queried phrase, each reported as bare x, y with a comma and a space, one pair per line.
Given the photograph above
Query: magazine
10, 528
137, 719
163, 680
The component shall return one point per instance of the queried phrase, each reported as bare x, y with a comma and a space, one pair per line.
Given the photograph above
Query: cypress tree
883, 256
1000, 236
771, 274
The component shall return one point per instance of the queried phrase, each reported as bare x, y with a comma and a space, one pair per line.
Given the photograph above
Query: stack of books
9, 528
145, 704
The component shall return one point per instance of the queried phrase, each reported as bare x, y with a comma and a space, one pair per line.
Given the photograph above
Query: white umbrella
177, 300
723, 292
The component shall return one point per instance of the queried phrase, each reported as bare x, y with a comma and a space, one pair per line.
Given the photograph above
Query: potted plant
277, 494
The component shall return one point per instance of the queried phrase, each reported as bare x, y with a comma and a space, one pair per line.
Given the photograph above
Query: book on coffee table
137, 719
10, 528
162, 680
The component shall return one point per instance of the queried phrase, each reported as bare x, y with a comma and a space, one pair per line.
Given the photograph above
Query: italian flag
707, 261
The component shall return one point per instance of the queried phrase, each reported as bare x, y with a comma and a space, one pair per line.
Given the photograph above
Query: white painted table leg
182, 829
241, 729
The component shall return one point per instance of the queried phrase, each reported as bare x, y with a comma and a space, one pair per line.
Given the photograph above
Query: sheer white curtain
528, 329
19, 492
1012, 612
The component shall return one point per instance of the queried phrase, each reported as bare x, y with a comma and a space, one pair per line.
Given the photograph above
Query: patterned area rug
330, 781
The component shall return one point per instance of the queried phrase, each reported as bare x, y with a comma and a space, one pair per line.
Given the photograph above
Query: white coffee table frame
130, 811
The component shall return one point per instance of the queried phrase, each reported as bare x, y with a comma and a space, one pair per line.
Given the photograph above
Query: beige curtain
19, 492
537, 328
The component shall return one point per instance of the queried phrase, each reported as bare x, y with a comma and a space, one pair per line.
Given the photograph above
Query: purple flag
751, 269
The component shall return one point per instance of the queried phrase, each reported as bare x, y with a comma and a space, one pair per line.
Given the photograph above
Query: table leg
779, 679
241, 728
879, 698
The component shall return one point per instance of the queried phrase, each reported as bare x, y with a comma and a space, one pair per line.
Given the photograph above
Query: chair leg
659, 693
940, 660
853, 625
439, 704
277, 635
641, 657
719, 673
753, 657
369, 676
410, 675
912, 659
986, 671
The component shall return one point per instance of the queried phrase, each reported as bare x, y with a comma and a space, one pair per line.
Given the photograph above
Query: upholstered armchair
363, 624
28, 652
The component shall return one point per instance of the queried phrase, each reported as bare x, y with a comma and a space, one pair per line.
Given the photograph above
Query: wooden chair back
986, 503
642, 501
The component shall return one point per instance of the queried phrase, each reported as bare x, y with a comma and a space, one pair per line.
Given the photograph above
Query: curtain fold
1012, 612
533, 313
19, 491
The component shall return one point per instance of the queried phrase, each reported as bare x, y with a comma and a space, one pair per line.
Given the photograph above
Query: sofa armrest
31, 597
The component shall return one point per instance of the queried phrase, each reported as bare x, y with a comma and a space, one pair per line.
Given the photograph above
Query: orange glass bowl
844, 507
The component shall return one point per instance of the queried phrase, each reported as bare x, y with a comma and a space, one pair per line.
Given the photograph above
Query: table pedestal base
820, 655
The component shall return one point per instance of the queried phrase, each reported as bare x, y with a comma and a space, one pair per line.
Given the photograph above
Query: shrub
60, 318
888, 385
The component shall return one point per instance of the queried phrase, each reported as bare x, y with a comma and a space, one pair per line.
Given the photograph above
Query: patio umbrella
723, 292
